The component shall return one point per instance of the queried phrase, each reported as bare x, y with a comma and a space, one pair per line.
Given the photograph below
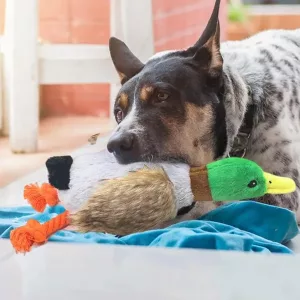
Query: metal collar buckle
241, 141
240, 145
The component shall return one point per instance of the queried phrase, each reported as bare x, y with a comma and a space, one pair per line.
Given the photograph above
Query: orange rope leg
39, 197
33, 232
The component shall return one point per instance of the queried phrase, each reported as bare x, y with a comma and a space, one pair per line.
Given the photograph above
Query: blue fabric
241, 226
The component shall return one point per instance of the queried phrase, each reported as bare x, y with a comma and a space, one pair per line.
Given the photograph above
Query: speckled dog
210, 101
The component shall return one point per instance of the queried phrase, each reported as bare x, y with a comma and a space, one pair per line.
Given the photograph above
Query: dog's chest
270, 65
267, 66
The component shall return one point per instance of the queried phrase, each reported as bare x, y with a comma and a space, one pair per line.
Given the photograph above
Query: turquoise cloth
241, 226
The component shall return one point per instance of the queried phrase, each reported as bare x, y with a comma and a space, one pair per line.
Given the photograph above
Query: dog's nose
120, 142
124, 146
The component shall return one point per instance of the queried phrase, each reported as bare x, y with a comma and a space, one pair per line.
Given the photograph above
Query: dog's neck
240, 112
242, 140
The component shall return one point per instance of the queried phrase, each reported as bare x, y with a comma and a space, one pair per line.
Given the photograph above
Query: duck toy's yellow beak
279, 185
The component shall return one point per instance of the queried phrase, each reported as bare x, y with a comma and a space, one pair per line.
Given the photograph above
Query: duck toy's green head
233, 179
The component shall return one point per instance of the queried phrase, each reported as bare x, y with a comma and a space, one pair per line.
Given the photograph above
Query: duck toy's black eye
252, 184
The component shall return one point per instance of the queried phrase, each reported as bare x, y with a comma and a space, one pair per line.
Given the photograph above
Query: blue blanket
240, 226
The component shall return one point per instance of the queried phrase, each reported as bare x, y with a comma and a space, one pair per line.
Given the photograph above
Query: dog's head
171, 107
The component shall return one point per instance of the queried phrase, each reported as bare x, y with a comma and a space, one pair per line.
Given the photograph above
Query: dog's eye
119, 115
161, 96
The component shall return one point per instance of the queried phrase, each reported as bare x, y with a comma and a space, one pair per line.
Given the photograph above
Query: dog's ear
125, 62
207, 48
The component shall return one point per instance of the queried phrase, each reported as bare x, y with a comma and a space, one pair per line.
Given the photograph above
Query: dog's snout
121, 142
124, 146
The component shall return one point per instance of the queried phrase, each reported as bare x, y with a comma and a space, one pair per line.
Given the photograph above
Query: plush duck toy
101, 195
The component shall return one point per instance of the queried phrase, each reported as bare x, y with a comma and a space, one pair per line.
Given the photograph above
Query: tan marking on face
123, 101
122, 76
198, 126
146, 93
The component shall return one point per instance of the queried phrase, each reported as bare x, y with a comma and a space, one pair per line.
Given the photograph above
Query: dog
212, 100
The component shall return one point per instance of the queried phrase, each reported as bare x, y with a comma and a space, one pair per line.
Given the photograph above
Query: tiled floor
70, 271
58, 136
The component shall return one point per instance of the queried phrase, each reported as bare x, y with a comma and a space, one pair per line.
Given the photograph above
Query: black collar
241, 141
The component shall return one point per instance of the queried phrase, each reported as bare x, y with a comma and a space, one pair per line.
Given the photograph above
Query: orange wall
177, 24
75, 21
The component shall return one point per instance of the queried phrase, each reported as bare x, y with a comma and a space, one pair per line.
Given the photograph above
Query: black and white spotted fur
265, 70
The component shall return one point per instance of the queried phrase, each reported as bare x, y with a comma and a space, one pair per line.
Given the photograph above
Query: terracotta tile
90, 10
56, 99
83, 90
60, 92
2, 14
55, 10
177, 23
164, 5
167, 6
92, 100
94, 107
174, 19
55, 31
89, 33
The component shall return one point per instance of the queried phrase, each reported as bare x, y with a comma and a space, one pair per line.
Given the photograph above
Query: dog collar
241, 141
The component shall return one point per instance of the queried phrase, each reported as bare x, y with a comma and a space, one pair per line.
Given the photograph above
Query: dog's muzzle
124, 146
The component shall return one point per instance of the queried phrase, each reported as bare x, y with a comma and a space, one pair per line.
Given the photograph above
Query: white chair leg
137, 24
135, 29
21, 87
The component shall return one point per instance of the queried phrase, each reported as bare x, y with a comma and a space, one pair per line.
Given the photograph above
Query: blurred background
70, 113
